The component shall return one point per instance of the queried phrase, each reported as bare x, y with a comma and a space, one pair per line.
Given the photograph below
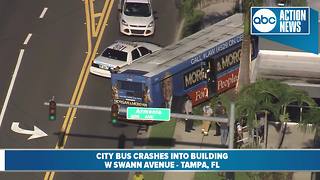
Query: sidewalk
193, 140
215, 10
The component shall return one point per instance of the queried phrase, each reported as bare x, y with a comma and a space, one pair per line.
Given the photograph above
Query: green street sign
155, 114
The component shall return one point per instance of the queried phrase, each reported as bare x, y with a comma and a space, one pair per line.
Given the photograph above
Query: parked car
136, 17
120, 54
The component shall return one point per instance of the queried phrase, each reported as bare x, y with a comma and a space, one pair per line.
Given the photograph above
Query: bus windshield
131, 89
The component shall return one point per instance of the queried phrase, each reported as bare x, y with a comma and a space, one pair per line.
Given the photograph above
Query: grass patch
217, 176
153, 175
193, 23
161, 135
163, 130
193, 17
207, 176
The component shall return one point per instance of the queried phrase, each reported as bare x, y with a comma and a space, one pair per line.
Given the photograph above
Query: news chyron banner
293, 26
159, 160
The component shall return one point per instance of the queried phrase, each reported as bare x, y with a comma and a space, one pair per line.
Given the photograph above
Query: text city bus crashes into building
200, 66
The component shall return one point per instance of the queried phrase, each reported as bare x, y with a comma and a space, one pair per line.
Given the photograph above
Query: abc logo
264, 20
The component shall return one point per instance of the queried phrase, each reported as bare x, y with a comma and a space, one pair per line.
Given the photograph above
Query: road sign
155, 114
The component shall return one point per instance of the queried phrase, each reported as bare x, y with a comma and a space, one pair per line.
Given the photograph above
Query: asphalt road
51, 66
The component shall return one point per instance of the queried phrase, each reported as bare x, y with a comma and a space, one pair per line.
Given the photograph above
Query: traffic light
114, 113
52, 110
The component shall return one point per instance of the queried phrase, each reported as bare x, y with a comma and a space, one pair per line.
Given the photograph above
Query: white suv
120, 54
136, 17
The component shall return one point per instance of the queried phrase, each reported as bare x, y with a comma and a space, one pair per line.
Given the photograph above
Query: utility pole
231, 175
231, 126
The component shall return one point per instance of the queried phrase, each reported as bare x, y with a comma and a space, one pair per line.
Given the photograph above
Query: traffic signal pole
173, 115
52, 109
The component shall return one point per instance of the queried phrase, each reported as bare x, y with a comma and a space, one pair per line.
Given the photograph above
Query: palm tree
285, 96
253, 100
260, 95
245, 59
313, 117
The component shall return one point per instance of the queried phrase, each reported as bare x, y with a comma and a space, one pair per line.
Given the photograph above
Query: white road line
27, 39
5, 104
43, 12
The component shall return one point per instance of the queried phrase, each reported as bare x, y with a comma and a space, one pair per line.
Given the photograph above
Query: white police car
120, 54
136, 17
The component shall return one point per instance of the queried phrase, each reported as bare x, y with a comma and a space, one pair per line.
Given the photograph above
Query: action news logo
280, 21
264, 20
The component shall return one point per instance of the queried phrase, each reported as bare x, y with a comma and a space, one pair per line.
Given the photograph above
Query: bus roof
189, 47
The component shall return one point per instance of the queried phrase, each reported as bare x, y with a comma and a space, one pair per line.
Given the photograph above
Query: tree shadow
213, 18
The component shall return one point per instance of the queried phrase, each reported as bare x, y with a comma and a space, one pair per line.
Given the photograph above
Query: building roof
298, 69
288, 64
189, 47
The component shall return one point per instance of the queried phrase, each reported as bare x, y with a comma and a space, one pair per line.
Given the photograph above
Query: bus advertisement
200, 66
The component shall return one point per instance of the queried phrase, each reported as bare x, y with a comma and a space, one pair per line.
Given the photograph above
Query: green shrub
193, 23
153, 175
193, 17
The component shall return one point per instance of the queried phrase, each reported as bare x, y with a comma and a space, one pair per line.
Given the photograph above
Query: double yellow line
92, 31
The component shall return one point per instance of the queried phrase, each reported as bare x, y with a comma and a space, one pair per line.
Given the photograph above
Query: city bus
200, 66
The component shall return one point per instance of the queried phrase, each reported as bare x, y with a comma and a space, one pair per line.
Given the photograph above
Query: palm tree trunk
282, 134
283, 129
265, 136
257, 142
245, 59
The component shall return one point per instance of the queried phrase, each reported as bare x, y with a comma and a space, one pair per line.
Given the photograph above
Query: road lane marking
92, 18
43, 12
104, 13
35, 133
79, 82
83, 76
88, 70
69, 122
27, 39
13, 79
50, 175
96, 27
97, 15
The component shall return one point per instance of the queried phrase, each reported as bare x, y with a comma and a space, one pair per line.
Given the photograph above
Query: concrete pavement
193, 140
